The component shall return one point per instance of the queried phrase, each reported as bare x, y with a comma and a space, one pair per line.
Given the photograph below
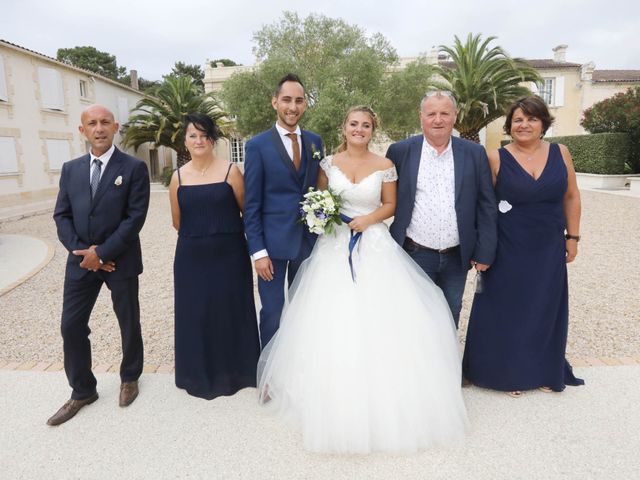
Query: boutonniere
317, 154
118, 181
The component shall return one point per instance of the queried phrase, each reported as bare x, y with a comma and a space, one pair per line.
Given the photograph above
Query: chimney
134, 79
560, 53
586, 73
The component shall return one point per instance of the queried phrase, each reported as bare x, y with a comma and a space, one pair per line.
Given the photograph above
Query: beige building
568, 88
41, 100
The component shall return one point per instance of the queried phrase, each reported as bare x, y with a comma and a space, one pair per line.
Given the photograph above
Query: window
4, 97
237, 150
57, 152
551, 90
8, 157
123, 110
84, 93
51, 89
545, 90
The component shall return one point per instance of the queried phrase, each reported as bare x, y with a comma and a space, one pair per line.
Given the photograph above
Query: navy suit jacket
111, 220
273, 191
475, 201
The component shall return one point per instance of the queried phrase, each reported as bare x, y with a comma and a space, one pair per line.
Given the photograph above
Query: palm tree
158, 117
485, 81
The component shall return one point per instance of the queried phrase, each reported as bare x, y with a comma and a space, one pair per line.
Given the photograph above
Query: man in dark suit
101, 207
446, 212
280, 166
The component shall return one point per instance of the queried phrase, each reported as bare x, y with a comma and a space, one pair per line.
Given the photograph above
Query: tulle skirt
370, 365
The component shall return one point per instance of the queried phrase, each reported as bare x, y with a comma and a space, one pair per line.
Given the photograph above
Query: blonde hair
358, 108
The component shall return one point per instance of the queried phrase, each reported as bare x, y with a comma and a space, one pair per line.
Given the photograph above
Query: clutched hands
91, 261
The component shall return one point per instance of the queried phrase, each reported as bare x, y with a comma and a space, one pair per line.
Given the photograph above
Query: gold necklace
530, 156
204, 170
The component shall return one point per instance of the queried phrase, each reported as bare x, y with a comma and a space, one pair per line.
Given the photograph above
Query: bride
369, 363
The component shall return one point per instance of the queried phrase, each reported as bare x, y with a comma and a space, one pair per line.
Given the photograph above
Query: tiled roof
67, 65
616, 76
551, 63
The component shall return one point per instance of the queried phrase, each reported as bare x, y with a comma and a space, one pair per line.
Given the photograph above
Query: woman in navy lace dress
216, 335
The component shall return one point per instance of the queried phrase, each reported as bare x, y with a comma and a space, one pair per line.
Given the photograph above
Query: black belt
410, 244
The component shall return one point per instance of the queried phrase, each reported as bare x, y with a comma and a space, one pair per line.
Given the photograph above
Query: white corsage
504, 206
118, 181
317, 154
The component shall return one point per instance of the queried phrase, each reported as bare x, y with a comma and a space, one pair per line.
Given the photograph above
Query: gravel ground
604, 282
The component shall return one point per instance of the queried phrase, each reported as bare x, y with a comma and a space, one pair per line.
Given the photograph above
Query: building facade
41, 100
568, 88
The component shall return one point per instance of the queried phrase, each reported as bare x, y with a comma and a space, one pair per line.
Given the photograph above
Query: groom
280, 166
446, 212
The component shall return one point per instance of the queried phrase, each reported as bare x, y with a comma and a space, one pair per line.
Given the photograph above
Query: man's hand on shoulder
264, 268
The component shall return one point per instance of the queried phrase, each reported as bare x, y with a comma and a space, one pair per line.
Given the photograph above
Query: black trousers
79, 298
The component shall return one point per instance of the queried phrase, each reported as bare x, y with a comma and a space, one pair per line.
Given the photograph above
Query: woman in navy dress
517, 332
216, 334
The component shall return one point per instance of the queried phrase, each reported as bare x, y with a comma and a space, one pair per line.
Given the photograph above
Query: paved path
588, 432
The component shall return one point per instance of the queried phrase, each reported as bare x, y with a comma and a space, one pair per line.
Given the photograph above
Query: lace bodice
358, 198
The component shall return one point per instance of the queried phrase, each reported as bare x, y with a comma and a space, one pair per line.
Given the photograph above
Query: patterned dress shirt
434, 223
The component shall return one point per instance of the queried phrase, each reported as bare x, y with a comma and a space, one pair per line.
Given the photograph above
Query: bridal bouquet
320, 211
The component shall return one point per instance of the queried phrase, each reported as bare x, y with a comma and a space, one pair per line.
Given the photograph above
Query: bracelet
572, 237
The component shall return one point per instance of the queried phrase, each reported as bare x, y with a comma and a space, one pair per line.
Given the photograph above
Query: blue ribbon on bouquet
353, 241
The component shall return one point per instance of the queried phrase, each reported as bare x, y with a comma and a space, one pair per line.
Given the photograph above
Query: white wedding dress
370, 365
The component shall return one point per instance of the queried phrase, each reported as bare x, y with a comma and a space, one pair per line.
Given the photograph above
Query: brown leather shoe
69, 409
128, 393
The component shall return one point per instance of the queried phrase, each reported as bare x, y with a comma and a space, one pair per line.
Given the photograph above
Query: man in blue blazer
101, 207
280, 166
446, 212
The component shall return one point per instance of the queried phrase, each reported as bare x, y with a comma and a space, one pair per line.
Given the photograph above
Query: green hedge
603, 153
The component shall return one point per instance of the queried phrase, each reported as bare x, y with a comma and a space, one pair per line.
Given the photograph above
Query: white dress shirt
288, 145
434, 223
104, 158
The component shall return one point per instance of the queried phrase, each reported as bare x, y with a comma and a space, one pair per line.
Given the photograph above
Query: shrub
620, 113
167, 173
603, 153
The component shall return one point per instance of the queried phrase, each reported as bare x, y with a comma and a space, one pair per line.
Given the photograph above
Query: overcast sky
151, 36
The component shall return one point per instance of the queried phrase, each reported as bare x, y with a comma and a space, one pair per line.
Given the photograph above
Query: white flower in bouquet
320, 211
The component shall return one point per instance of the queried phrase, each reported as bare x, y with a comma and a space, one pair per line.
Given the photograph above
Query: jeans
446, 271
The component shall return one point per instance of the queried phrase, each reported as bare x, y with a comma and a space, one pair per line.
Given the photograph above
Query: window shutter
123, 110
559, 93
58, 153
51, 88
8, 157
3, 82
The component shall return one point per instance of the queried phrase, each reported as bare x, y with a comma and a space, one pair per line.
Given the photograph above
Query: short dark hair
533, 106
289, 77
204, 123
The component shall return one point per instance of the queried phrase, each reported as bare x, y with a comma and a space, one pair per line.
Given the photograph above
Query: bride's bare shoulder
382, 163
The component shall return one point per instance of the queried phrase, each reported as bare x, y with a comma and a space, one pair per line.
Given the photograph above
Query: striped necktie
95, 176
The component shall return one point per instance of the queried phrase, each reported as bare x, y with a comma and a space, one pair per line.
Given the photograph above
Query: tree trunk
183, 157
473, 136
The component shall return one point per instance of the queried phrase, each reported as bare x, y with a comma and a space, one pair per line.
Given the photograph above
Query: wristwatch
572, 237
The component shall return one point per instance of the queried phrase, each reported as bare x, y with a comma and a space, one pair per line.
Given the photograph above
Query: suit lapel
114, 167
414, 163
458, 165
284, 156
85, 173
